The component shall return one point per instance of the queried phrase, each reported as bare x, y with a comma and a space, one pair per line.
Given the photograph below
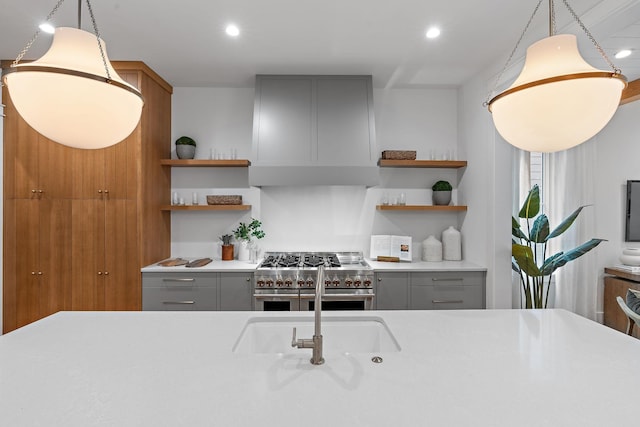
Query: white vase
243, 251
431, 249
451, 244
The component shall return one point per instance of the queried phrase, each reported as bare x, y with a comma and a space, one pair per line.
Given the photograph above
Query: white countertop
455, 368
242, 266
212, 267
425, 266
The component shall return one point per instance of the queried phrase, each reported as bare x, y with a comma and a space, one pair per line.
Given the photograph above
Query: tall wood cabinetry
79, 224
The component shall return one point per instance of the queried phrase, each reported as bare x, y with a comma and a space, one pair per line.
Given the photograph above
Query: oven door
338, 299
276, 300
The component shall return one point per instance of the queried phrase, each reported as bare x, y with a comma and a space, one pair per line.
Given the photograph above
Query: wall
618, 154
312, 218
487, 187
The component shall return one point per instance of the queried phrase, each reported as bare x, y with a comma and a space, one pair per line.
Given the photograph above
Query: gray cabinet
392, 291
196, 291
447, 290
442, 290
236, 291
314, 120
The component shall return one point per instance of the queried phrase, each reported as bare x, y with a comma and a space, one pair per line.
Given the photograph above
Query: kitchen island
451, 368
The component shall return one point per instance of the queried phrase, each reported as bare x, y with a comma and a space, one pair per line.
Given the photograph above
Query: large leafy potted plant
529, 250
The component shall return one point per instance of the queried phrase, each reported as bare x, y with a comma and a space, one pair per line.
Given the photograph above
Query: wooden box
224, 200
399, 155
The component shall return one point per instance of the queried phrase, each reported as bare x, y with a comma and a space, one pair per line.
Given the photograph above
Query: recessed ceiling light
433, 32
232, 30
47, 28
622, 53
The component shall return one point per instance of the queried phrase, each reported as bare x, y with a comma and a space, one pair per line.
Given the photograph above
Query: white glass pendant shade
64, 96
558, 101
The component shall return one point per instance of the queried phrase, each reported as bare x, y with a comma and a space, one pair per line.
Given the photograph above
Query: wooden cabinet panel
87, 220
614, 317
37, 274
121, 273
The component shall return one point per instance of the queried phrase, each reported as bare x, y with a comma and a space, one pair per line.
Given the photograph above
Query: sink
361, 334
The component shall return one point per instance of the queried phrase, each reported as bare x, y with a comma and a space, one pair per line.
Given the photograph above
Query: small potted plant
227, 247
244, 234
441, 193
185, 147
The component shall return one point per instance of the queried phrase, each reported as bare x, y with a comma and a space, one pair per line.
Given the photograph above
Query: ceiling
184, 41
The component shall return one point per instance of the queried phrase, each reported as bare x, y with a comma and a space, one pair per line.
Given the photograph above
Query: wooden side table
617, 285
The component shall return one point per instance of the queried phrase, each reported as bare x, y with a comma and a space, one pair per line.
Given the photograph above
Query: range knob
367, 282
288, 281
327, 282
348, 282
335, 281
309, 282
260, 282
300, 282
269, 282
279, 281
357, 281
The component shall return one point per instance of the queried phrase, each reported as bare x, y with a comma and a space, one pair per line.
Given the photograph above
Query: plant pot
441, 198
227, 252
185, 151
243, 251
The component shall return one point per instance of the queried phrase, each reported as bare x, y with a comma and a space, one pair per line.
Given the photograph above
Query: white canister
451, 244
431, 249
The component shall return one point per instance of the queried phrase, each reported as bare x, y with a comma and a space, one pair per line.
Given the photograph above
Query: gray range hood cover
260, 176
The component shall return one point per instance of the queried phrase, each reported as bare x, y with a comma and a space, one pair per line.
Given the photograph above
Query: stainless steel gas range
285, 281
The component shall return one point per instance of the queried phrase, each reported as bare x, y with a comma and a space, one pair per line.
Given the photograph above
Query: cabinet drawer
463, 278
179, 299
179, 280
446, 297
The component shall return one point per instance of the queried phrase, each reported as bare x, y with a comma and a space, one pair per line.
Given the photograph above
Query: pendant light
72, 95
559, 100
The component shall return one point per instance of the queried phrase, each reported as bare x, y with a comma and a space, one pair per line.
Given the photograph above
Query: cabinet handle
99, 273
454, 301
453, 279
100, 191
33, 273
106, 273
178, 302
39, 273
40, 191
178, 280
106, 191
33, 191
248, 279
379, 279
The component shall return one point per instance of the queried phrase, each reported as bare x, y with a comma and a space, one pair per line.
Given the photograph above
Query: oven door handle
272, 296
329, 297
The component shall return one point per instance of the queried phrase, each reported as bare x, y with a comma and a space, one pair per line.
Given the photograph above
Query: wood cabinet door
87, 254
54, 263
25, 246
122, 269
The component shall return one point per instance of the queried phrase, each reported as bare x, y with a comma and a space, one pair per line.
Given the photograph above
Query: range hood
313, 130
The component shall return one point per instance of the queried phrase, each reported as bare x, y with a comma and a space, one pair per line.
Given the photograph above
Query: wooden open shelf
238, 163
205, 208
448, 164
432, 208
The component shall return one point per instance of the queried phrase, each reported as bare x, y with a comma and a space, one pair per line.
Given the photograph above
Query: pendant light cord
515, 48
552, 32
95, 28
35, 36
615, 69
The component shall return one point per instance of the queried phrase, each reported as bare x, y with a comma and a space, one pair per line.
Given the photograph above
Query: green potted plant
244, 234
185, 147
529, 251
227, 247
441, 193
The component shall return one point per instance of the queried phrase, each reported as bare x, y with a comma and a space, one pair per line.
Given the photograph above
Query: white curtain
568, 184
521, 185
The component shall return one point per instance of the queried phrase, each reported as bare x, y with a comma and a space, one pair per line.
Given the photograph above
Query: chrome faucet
316, 342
